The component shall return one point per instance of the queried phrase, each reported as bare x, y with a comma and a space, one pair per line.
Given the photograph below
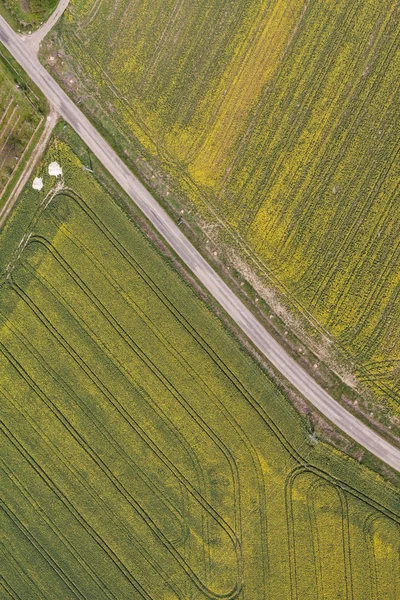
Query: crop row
129, 498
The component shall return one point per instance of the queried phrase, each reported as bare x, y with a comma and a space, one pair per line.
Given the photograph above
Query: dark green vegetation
144, 453
21, 115
279, 121
27, 14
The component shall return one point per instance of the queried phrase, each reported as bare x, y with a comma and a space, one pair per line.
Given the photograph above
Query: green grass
21, 115
27, 14
144, 453
278, 121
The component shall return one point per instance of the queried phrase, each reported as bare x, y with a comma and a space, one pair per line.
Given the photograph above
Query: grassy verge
358, 399
26, 15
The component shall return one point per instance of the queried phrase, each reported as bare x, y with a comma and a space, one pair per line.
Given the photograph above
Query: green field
20, 119
144, 453
27, 14
278, 120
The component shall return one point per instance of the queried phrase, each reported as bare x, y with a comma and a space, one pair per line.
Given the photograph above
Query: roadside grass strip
19, 120
27, 14
144, 453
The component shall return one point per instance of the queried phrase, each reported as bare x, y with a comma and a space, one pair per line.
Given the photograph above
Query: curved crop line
345, 487
319, 481
315, 546
261, 411
71, 309
345, 533
130, 420
175, 311
197, 466
121, 332
337, 485
75, 513
252, 401
99, 426
367, 526
368, 536
161, 536
127, 374
293, 569
113, 322
136, 349
107, 472
203, 382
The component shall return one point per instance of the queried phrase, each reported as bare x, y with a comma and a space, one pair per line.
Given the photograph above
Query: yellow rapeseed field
279, 119
144, 453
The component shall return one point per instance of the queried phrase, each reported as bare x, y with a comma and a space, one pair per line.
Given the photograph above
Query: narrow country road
288, 367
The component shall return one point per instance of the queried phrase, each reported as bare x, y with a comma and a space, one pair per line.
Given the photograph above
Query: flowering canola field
144, 453
278, 119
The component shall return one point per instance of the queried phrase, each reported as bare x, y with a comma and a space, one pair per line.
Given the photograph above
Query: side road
266, 344
33, 40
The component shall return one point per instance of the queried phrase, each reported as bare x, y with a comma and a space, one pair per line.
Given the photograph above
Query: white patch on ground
37, 183
54, 169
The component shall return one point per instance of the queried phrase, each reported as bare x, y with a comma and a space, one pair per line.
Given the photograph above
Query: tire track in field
8, 556
21, 293
42, 551
101, 584
132, 344
82, 406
